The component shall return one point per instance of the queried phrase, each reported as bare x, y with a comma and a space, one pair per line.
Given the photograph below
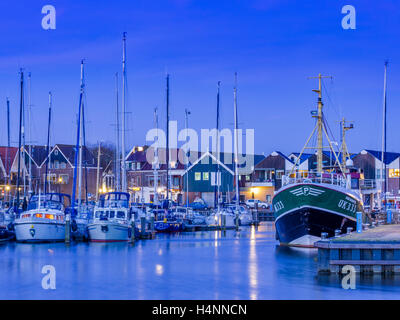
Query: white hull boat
44, 221
113, 220
106, 231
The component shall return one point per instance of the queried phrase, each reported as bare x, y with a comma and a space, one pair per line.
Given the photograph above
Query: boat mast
22, 149
80, 154
48, 147
319, 121
236, 147
383, 164
320, 128
98, 173
78, 135
8, 147
117, 150
167, 151
218, 153
187, 112
124, 188
345, 151
21, 107
30, 133
155, 163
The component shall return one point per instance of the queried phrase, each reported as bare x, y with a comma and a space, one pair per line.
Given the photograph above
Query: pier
375, 250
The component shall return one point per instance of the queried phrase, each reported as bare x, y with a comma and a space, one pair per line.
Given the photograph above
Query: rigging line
329, 99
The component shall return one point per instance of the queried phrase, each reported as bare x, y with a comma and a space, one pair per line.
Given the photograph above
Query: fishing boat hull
34, 231
109, 232
303, 211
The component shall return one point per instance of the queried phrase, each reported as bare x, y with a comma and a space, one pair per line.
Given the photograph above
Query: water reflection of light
253, 267
159, 269
216, 238
160, 252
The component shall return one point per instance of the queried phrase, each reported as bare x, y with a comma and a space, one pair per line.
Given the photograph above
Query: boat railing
368, 184
327, 178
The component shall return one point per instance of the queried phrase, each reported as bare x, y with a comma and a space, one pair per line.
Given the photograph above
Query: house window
279, 174
56, 164
394, 173
378, 173
63, 165
197, 176
205, 175
63, 179
138, 166
247, 178
56, 152
215, 179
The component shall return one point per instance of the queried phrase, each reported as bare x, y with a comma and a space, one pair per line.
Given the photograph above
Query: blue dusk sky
273, 45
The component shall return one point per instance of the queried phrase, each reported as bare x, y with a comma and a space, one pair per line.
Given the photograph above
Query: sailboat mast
187, 112
48, 147
167, 151
218, 153
124, 187
21, 107
117, 150
80, 155
98, 173
78, 135
236, 147
23, 150
30, 133
383, 164
8, 148
156, 161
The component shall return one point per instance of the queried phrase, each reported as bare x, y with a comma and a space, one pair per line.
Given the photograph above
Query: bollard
67, 228
143, 225
324, 235
133, 232
359, 222
152, 224
389, 216
237, 221
349, 229
337, 232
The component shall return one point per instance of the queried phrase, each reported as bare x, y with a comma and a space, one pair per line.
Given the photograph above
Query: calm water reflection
202, 265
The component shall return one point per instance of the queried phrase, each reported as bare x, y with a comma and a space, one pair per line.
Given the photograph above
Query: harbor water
248, 264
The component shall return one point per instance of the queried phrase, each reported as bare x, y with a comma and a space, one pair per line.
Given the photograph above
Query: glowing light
254, 190
8, 188
159, 269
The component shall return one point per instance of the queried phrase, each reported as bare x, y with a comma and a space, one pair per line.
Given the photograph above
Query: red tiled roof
7, 156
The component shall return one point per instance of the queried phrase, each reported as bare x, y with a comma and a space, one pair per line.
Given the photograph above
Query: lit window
205, 175
197, 176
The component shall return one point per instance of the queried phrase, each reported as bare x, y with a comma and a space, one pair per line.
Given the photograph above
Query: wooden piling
67, 228
133, 232
143, 226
